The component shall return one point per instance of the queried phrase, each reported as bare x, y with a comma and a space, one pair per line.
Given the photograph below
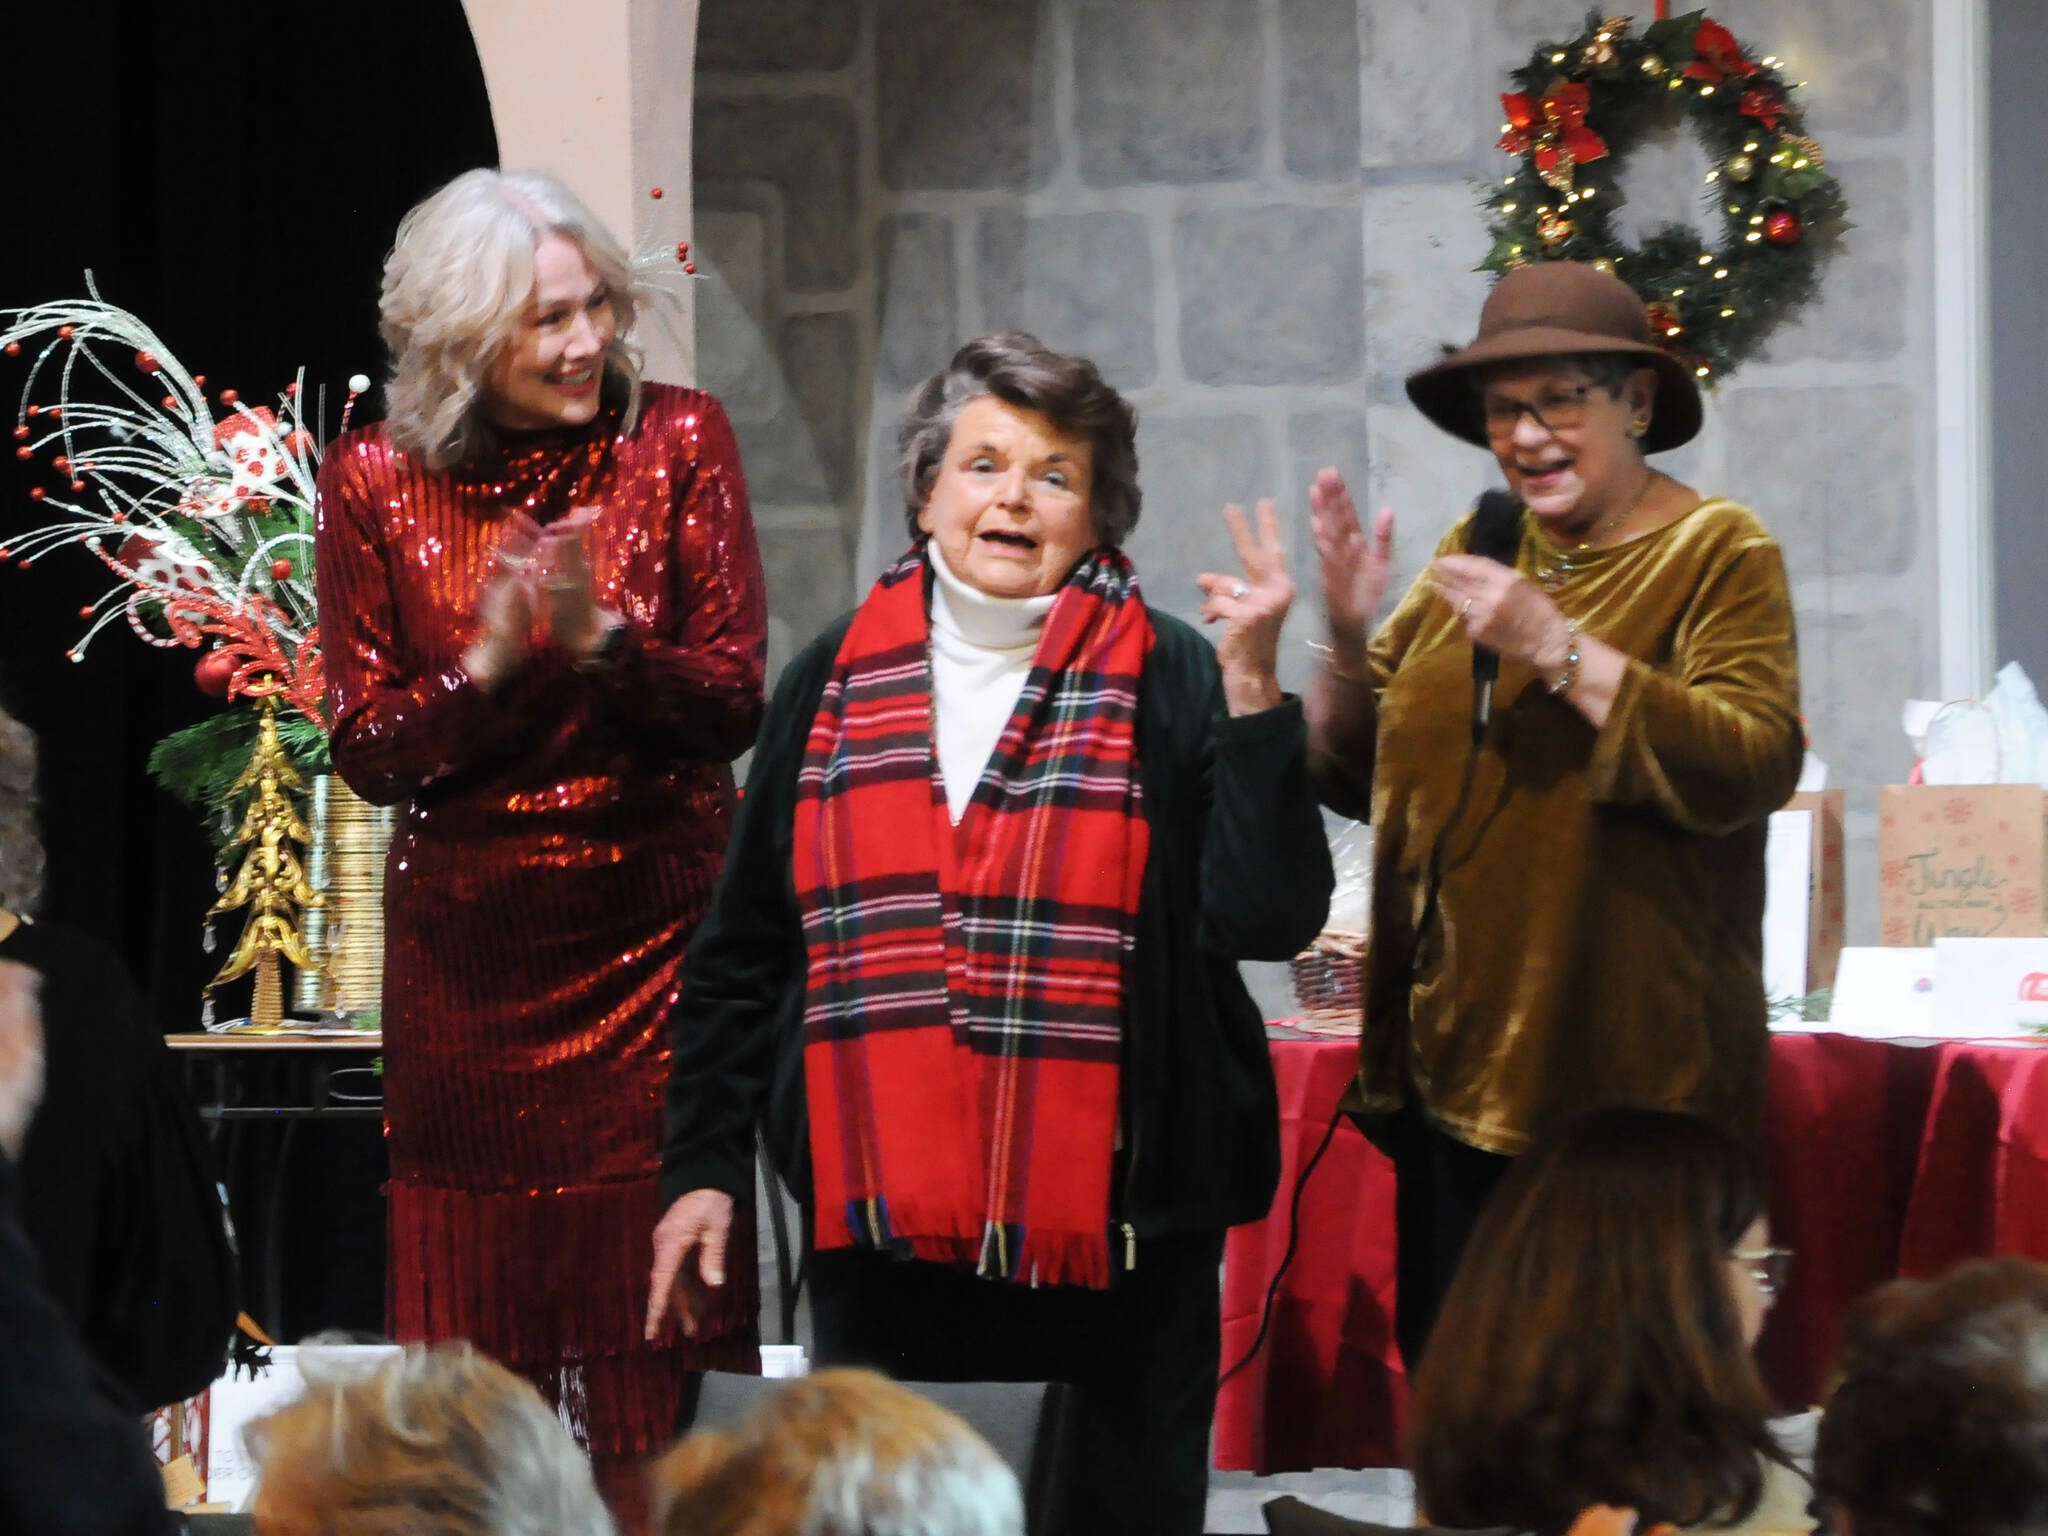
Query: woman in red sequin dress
541, 607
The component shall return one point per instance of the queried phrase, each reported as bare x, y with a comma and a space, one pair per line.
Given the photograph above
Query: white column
599, 93
1962, 354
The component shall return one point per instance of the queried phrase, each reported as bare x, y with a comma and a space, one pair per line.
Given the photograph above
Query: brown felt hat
1551, 309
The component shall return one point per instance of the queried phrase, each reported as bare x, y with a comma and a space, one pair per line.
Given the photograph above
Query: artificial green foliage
201, 763
1727, 289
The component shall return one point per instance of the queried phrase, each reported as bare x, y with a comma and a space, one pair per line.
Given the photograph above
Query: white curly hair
457, 280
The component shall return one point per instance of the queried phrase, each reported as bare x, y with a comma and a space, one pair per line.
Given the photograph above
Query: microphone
1496, 534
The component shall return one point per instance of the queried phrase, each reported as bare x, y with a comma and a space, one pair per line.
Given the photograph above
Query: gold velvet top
1599, 938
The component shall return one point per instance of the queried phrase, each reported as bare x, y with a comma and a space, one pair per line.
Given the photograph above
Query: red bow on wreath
1763, 104
1556, 129
1719, 55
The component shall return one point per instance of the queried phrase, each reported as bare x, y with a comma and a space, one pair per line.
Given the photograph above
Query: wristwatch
608, 646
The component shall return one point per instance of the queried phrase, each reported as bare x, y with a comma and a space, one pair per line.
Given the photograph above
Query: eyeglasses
1768, 1267
1556, 410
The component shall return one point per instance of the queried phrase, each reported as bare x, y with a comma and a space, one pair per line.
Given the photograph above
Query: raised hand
689, 1255
1252, 607
1354, 568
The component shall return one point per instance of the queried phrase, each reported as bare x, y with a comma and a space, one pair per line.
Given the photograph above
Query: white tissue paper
2001, 738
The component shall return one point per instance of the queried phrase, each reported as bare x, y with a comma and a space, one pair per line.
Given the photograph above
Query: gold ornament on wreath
1580, 106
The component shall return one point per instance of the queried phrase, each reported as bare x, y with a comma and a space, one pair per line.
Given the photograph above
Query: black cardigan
1238, 870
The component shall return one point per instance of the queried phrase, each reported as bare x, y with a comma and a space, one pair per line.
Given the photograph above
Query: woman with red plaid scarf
973, 957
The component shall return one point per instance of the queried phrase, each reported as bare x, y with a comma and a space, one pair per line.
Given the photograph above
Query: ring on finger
1238, 589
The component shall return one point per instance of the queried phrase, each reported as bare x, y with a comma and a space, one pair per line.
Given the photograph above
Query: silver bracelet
1328, 657
1569, 678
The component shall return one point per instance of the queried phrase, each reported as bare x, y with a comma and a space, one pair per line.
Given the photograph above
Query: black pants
1441, 1185
1141, 1356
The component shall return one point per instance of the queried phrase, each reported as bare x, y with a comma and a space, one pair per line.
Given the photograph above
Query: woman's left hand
1502, 609
575, 617
1252, 607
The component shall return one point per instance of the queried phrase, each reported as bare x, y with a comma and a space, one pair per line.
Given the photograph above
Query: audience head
440, 1442
841, 1453
1594, 1346
1938, 1425
21, 845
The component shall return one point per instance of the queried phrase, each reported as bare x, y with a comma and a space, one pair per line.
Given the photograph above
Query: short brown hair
1023, 371
841, 1453
1939, 1422
1589, 1350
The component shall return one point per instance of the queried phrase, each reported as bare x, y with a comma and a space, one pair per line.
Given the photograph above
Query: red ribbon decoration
1556, 129
1719, 55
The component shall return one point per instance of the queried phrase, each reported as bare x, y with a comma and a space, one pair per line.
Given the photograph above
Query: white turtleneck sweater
981, 653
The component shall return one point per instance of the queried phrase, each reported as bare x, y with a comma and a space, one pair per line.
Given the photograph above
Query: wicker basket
1326, 984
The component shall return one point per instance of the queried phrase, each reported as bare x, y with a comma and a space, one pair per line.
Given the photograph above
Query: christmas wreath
1580, 107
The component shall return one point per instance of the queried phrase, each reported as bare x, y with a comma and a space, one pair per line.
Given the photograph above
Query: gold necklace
1557, 574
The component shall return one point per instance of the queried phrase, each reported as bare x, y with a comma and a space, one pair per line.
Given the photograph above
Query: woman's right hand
1355, 570
696, 1227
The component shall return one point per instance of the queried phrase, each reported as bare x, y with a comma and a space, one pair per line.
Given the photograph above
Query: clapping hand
1252, 607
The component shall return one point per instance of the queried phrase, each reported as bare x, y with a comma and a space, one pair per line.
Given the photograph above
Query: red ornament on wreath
1783, 228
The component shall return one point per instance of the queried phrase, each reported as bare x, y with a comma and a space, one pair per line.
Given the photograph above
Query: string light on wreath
1579, 108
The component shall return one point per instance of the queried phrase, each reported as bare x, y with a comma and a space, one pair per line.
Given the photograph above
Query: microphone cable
1430, 915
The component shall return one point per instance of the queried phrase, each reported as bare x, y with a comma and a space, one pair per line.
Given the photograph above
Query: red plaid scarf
964, 1017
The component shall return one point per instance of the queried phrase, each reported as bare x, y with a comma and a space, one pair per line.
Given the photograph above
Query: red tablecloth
1885, 1159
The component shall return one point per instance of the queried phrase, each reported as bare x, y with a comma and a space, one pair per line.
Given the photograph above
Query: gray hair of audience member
1023, 371
458, 278
841, 1453
1938, 1423
21, 844
438, 1442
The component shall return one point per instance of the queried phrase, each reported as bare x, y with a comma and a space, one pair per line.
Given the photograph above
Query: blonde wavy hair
21, 843
438, 1442
456, 283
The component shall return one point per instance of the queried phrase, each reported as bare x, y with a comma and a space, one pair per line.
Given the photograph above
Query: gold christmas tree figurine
271, 882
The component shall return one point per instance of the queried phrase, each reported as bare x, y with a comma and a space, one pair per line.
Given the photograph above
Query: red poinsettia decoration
1719, 56
1763, 104
1555, 128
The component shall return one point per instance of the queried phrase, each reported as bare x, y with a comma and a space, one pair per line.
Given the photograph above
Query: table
1884, 1159
288, 1078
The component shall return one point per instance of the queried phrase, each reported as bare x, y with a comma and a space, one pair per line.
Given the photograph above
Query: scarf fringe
1004, 1251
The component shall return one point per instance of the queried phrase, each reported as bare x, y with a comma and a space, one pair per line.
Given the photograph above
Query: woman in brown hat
1567, 914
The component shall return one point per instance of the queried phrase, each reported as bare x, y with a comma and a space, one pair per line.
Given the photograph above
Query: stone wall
1258, 215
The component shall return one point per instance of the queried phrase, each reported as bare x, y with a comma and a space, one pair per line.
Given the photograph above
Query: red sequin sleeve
690, 682
397, 728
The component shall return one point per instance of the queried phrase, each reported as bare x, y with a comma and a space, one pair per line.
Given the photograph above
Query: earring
1639, 426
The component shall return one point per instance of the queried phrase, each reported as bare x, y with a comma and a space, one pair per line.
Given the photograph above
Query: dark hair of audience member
1589, 1350
1939, 1419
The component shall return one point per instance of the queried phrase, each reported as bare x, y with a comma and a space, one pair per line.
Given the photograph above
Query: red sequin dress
557, 847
